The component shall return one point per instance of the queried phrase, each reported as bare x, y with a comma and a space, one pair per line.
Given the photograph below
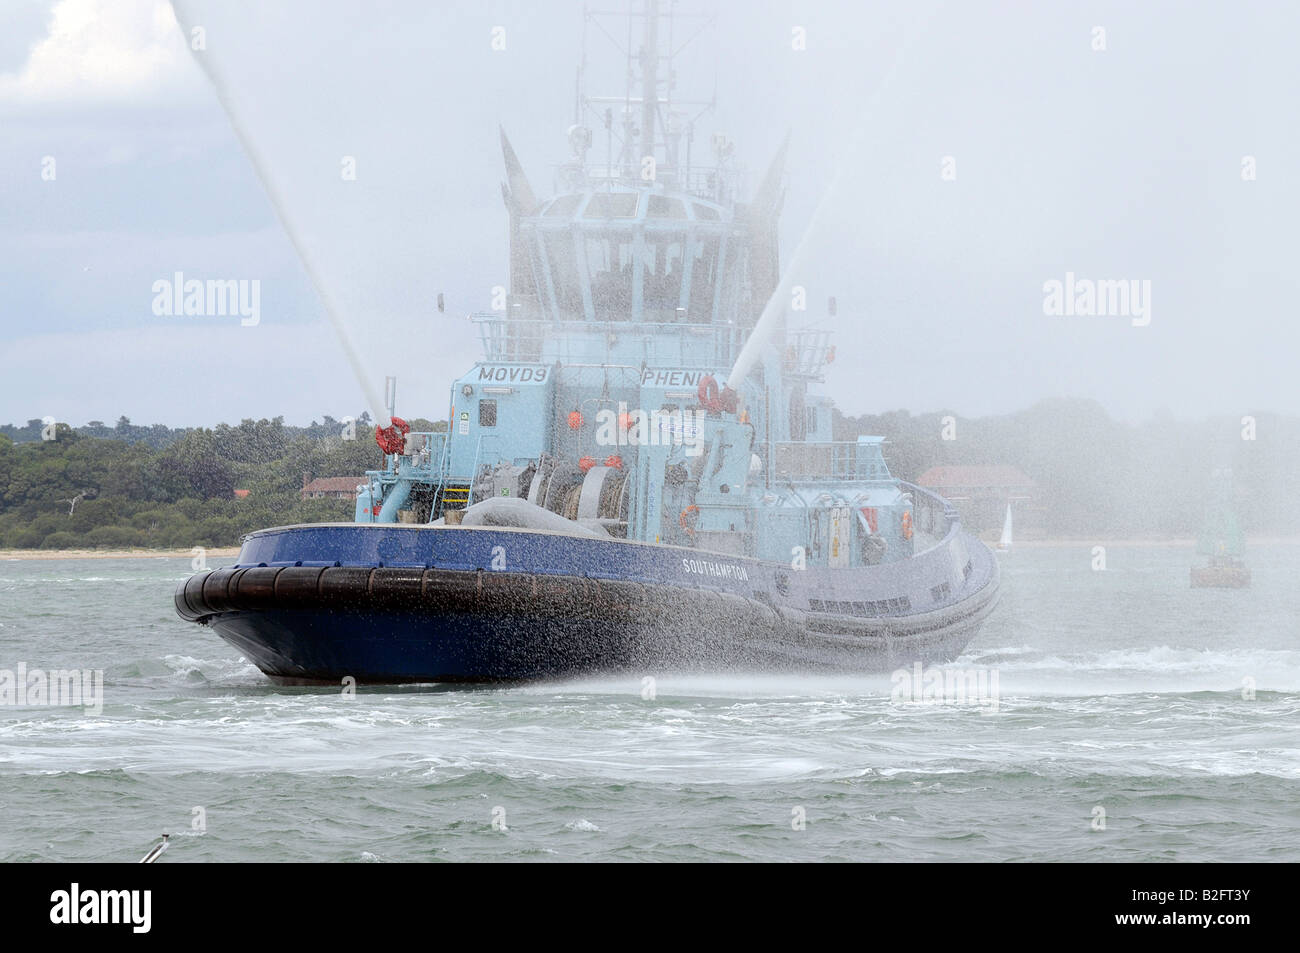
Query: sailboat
1004, 542
1221, 540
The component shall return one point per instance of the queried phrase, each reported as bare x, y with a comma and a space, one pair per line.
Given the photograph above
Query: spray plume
184, 18
769, 320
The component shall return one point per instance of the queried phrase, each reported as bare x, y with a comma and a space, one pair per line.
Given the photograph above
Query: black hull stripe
489, 593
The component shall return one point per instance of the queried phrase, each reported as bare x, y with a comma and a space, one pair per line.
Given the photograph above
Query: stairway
454, 496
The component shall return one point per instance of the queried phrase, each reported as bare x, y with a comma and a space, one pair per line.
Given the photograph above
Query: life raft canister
392, 439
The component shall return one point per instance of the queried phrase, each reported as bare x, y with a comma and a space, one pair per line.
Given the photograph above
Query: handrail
473, 472
375, 479
822, 460
505, 337
442, 464
928, 502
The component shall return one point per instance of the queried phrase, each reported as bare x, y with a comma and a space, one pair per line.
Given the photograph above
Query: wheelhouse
627, 254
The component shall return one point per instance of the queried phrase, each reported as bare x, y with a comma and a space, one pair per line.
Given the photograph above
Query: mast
646, 119
649, 77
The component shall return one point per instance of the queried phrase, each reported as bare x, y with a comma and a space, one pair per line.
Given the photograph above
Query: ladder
455, 496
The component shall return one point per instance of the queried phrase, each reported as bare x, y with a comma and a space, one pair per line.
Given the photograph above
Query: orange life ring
690, 529
716, 401
907, 524
708, 393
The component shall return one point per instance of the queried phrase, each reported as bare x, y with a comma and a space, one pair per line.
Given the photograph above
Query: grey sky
1122, 163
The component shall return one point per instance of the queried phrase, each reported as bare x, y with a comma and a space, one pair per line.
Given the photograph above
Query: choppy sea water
1175, 711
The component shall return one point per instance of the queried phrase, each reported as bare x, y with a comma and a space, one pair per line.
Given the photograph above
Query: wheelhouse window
609, 263
704, 280
661, 206
663, 276
612, 205
562, 259
564, 206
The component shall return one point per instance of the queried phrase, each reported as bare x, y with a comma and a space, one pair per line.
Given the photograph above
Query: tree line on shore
130, 486
1096, 476
157, 487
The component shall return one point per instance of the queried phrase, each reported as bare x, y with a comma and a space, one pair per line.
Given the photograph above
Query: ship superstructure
601, 442
631, 294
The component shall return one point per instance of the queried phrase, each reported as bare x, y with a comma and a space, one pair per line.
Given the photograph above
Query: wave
187, 671
1160, 668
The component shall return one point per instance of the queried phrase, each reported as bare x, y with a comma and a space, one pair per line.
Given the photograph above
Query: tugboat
638, 475
1221, 540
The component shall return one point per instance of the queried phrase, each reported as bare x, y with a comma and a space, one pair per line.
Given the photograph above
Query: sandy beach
1137, 541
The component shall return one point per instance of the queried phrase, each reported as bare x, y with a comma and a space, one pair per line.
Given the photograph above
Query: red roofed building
983, 493
337, 488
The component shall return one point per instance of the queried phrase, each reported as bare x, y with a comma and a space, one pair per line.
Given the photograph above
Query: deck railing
829, 460
668, 344
428, 451
427, 463
932, 516
807, 352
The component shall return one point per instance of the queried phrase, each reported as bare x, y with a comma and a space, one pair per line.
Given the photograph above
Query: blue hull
420, 603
